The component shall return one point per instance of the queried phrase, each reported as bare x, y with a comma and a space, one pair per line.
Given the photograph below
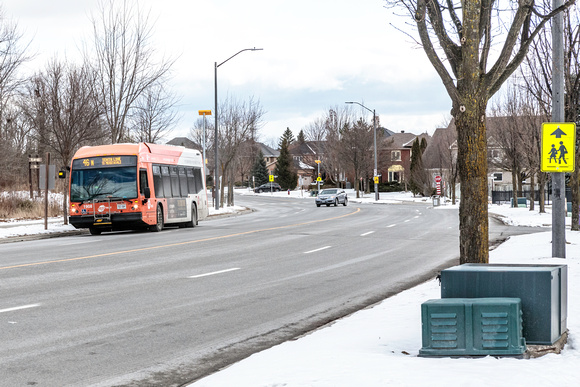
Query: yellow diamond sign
558, 146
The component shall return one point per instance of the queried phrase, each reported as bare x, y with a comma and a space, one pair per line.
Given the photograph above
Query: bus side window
174, 181
183, 182
143, 183
166, 181
191, 181
157, 181
198, 179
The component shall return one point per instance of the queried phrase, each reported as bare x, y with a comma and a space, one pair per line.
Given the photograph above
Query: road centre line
179, 243
320, 249
19, 308
367, 233
214, 273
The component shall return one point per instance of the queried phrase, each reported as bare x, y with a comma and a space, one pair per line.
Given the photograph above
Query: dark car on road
268, 187
330, 196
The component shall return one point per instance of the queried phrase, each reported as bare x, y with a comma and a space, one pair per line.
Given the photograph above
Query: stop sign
437, 179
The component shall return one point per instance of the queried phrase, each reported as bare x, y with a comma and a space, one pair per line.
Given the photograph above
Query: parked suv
330, 196
268, 187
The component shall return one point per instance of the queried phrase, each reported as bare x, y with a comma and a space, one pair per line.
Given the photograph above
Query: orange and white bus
136, 186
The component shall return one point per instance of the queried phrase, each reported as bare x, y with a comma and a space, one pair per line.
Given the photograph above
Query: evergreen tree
259, 170
301, 139
287, 178
419, 181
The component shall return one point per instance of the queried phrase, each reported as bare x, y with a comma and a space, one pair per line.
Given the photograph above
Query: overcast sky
317, 54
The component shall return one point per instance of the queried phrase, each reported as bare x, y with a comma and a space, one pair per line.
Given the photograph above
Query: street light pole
215, 140
375, 174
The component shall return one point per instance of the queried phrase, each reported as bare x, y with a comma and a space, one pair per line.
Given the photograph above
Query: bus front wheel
158, 226
94, 231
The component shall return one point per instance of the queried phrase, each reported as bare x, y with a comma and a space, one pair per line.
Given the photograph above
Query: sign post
438, 181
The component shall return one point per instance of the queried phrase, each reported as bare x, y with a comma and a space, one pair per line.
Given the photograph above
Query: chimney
402, 131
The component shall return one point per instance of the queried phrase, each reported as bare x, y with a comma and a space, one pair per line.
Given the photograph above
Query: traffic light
61, 174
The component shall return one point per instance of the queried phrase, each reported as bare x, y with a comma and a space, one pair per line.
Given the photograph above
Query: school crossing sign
558, 146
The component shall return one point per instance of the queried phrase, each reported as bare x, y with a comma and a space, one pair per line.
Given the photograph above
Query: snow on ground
378, 346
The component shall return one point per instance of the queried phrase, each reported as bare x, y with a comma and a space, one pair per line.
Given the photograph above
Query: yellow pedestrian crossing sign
558, 146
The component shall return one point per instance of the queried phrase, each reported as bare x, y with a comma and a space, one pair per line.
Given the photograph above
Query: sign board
437, 179
271, 177
42, 176
376, 178
204, 112
558, 146
319, 178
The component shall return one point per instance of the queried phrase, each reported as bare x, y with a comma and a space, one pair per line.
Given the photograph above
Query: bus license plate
121, 206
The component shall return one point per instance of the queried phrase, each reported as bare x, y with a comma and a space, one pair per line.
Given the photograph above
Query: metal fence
498, 197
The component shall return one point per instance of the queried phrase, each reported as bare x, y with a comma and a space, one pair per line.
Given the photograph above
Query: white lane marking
80, 242
392, 225
214, 272
313, 251
367, 233
408, 220
416, 217
19, 308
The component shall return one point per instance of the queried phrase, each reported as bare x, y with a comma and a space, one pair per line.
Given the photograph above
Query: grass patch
16, 205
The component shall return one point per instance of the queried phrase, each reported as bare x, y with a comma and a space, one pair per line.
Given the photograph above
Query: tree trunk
532, 190
542, 185
472, 163
514, 188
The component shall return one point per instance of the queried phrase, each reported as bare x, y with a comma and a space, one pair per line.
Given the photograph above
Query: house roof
184, 141
402, 140
267, 151
307, 148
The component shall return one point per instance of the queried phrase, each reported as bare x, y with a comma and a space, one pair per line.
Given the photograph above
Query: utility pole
558, 178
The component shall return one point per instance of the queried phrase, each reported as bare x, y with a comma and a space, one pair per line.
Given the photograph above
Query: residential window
498, 176
395, 155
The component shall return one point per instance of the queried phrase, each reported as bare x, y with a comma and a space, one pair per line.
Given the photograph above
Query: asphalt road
140, 308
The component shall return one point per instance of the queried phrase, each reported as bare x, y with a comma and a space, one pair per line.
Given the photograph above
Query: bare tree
315, 131
537, 78
154, 116
239, 123
126, 64
464, 42
508, 134
60, 106
12, 131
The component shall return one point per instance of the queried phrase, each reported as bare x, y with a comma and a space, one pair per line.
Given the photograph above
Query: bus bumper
126, 221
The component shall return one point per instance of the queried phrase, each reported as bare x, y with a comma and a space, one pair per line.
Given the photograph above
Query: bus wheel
193, 221
95, 231
159, 225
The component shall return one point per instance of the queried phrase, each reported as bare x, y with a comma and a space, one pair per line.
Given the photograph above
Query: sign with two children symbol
558, 146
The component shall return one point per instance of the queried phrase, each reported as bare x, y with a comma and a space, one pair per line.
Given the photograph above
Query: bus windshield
101, 183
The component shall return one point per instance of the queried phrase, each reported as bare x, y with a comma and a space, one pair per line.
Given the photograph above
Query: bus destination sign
105, 161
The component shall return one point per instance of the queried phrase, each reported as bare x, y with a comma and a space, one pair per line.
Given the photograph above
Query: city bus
136, 186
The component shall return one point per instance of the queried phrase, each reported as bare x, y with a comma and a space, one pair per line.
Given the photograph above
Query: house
270, 156
304, 156
440, 157
395, 156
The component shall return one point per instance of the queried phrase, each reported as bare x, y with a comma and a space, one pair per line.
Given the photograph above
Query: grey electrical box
472, 327
543, 290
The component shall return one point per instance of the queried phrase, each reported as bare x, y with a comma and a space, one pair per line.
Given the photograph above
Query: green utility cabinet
543, 290
472, 327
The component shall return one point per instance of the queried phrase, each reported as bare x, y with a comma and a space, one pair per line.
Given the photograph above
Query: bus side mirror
147, 192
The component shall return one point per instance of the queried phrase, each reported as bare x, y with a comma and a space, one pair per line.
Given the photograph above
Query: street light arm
239, 52
363, 106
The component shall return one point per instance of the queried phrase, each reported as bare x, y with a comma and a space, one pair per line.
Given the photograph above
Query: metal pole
216, 182
204, 171
47, 168
215, 140
558, 178
375, 177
